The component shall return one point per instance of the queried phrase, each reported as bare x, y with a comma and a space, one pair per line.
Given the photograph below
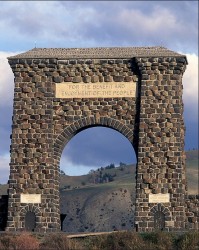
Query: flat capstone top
96, 53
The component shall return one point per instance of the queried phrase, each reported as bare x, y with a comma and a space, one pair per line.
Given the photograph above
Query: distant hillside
101, 208
93, 206
192, 171
3, 189
125, 175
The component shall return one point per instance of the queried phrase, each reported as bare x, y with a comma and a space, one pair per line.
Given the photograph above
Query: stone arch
87, 122
29, 208
160, 215
50, 120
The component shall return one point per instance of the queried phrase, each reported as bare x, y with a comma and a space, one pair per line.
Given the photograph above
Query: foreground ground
112, 241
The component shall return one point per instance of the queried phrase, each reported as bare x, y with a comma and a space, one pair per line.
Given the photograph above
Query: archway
104, 199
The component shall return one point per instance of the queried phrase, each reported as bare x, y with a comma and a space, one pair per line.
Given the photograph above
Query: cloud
4, 168
143, 24
6, 80
71, 168
6, 101
190, 79
90, 24
190, 83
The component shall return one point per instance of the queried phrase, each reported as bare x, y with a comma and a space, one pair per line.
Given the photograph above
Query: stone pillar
32, 165
161, 163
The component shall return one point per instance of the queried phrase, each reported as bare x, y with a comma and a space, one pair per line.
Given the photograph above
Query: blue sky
172, 24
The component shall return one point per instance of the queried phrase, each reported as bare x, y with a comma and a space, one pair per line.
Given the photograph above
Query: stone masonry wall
43, 124
192, 212
161, 163
31, 167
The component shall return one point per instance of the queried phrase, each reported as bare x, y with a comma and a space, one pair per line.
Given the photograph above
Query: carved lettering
159, 198
30, 198
91, 90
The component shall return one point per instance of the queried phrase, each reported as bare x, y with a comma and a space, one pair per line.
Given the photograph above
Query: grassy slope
192, 171
126, 178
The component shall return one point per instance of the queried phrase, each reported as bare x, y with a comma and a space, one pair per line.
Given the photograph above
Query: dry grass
188, 241
59, 241
117, 241
23, 241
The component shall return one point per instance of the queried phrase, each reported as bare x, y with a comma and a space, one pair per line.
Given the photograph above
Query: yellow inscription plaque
91, 90
30, 198
159, 198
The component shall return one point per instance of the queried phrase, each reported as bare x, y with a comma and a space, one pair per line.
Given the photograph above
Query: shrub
159, 240
188, 241
1, 246
5, 241
116, 241
25, 241
59, 241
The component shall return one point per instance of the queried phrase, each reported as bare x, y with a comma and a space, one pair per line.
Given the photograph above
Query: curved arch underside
85, 123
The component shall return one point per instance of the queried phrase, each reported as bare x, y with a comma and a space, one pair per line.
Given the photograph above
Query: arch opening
96, 147
112, 209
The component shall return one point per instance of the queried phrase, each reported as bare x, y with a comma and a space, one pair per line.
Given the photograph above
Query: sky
74, 24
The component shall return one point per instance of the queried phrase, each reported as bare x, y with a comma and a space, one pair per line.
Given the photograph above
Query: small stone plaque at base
159, 198
30, 198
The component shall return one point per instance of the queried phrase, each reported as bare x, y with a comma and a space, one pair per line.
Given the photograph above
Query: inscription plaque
159, 198
91, 90
30, 198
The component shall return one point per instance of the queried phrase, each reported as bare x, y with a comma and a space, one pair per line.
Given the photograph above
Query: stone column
161, 163
32, 165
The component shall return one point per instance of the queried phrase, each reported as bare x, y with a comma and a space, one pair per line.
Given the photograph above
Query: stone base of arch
41, 223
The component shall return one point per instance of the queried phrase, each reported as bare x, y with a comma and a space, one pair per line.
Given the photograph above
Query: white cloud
6, 79
6, 100
74, 24
190, 80
137, 21
73, 169
4, 168
159, 26
190, 91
